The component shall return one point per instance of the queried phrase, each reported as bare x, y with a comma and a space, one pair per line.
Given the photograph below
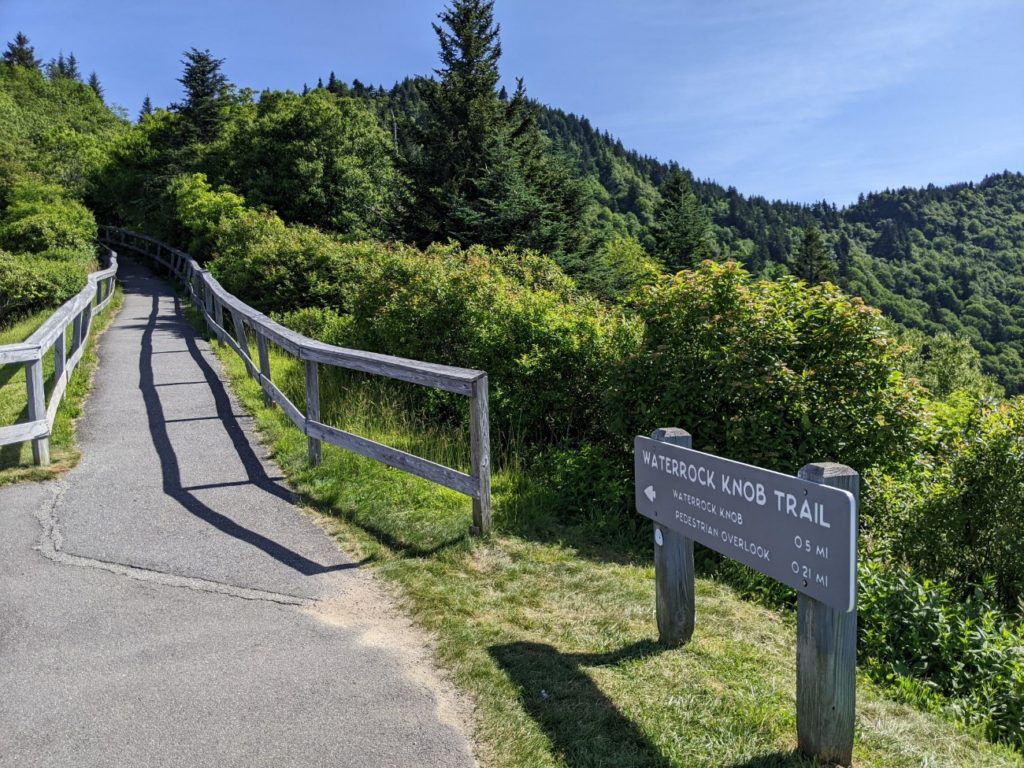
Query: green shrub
965, 649
280, 268
773, 373
968, 524
200, 210
40, 218
618, 268
512, 315
28, 284
547, 354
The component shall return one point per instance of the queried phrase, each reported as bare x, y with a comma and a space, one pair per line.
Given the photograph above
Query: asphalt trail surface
165, 603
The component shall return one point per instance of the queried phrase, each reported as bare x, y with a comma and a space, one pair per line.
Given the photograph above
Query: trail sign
800, 533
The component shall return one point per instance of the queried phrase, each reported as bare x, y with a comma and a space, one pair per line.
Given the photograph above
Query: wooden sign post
826, 656
800, 531
673, 568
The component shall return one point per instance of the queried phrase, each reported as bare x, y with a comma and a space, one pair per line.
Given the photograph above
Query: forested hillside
934, 259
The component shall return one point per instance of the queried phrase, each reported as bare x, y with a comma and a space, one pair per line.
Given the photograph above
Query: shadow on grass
792, 759
10, 454
585, 727
385, 537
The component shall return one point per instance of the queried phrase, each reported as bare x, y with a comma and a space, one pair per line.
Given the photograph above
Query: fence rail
248, 325
76, 313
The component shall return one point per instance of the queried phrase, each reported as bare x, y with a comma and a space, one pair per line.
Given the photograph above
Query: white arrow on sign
649, 493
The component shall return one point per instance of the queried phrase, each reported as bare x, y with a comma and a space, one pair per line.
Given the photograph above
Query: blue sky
794, 99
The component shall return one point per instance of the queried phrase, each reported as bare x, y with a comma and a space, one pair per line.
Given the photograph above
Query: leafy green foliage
321, 160
945, 364
54, 134
41, 218
771, 373
930, 639
28, 284
618, 268
200, 209
55, 131
967, 524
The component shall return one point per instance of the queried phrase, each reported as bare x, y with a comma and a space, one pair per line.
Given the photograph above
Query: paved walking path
164, 603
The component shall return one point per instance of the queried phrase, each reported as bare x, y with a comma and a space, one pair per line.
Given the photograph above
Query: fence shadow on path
138, 280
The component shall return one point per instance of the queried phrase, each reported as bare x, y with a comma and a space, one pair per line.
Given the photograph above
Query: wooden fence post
826, 654
76, 333
218, 316
673, 567
313, 408
37, 408
480, 455
86, 322
240, 335
261, 349
208, 301
60, 355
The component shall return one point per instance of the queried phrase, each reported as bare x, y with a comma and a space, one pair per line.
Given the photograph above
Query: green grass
16, 460
551, 629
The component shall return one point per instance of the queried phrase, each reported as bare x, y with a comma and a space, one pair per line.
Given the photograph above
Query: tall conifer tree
812, 261
681, 228
207, 95
484, 173
94, 83
20, 53
72, 67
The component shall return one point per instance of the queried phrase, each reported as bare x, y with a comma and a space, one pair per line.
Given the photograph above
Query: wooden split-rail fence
248, 325
74, 316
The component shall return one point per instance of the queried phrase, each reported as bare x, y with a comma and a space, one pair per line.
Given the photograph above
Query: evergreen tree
72, 67
892, 244
843, 258
207, 95
681, 228
94, 83
812, 261
484, 173
20, 53
57, 68
147, 108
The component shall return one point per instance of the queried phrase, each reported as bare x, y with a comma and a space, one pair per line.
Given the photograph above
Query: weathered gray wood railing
250, 325
76, 313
